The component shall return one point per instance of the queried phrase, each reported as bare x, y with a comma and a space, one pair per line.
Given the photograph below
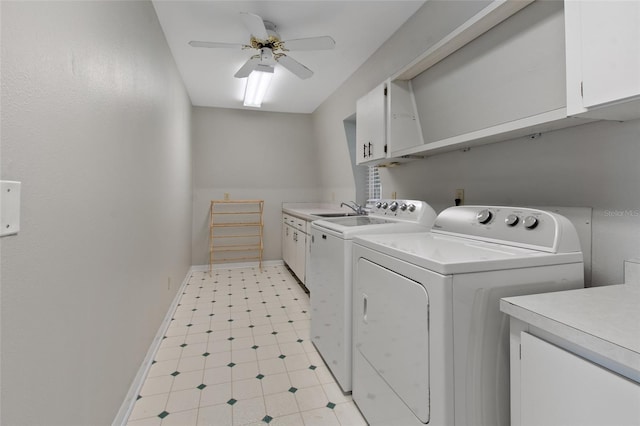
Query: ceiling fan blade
248, 66
213, 45
255, 24
294, 66
310, 43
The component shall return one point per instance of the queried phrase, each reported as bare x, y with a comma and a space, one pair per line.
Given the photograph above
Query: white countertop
308, 211
605, 320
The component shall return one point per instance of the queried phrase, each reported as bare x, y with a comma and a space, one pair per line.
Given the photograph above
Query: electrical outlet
393, 195
226, 196
459, 196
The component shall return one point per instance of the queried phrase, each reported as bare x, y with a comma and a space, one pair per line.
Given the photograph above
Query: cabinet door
603, 58
560, 388
288, 245
301, 255
404, 125
370, 126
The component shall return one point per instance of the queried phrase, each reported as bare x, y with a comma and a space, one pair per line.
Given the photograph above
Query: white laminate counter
604, 320
309, 211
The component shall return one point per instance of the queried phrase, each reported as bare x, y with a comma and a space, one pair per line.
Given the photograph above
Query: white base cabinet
295, 245
575, 357
560, 388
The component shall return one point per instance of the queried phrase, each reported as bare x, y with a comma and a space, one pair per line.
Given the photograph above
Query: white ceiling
358, 28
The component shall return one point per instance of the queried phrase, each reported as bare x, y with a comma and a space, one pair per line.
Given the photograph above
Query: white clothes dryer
329, 275
430, 345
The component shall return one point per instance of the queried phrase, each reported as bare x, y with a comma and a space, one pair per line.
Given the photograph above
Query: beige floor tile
304, 378
182, 400
246, 389
215, 415
182, 418
215, 394
348, 415
261, 381
281, 404
275, 383
149, 406
156, 385
311, 398
245, 370
289, 420
187, 380
320, 417
248, 410
213, 376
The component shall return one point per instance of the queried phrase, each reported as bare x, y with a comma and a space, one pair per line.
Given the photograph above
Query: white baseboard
132, 396
201, 268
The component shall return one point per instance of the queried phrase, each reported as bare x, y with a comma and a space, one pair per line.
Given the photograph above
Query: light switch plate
9, 207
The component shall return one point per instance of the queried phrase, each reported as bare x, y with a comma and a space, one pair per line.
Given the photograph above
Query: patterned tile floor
238, 352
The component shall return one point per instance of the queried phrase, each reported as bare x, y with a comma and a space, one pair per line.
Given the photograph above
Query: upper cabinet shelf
507, 72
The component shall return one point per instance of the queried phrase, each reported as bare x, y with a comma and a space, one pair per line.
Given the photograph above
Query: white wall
593, 165
96, 126
250, 155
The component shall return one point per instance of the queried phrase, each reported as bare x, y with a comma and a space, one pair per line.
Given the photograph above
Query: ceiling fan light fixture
257, 85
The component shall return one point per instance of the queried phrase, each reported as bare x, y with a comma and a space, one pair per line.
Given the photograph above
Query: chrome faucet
355, 207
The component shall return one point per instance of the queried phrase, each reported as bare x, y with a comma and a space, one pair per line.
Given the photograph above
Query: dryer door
392, 314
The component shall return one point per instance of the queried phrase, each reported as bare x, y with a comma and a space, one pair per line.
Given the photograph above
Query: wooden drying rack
235, 231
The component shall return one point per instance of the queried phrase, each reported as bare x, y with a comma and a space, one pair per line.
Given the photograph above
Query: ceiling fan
266, 40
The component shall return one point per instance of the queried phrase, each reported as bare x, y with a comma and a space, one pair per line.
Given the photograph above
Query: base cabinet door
561, 388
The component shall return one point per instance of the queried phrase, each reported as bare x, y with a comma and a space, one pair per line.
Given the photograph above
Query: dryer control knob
484, 216
403, 206
378, 205
411, 208
385, 205
512, 220
530, 222
394, 206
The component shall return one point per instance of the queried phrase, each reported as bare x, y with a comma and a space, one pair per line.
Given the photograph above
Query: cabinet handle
364, 150
365, 306
369, 149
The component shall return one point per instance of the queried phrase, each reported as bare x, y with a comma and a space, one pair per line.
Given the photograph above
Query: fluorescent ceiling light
257, 85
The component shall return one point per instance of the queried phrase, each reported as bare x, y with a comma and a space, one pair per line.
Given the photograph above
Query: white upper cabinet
603, 59
403, 127
371, 126
516, 68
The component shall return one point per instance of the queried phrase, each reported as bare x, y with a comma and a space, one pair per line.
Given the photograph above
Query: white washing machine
329, 274
430, 345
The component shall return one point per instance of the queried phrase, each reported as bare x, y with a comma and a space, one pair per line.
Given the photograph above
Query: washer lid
447, 254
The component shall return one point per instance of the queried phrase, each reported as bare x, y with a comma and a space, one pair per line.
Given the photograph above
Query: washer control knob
512, 220
378, 205
394, 206
530, 222
484, 216
403, 206
385, 205
412, 208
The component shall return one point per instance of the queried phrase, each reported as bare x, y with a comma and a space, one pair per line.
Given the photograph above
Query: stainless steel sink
336, 214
